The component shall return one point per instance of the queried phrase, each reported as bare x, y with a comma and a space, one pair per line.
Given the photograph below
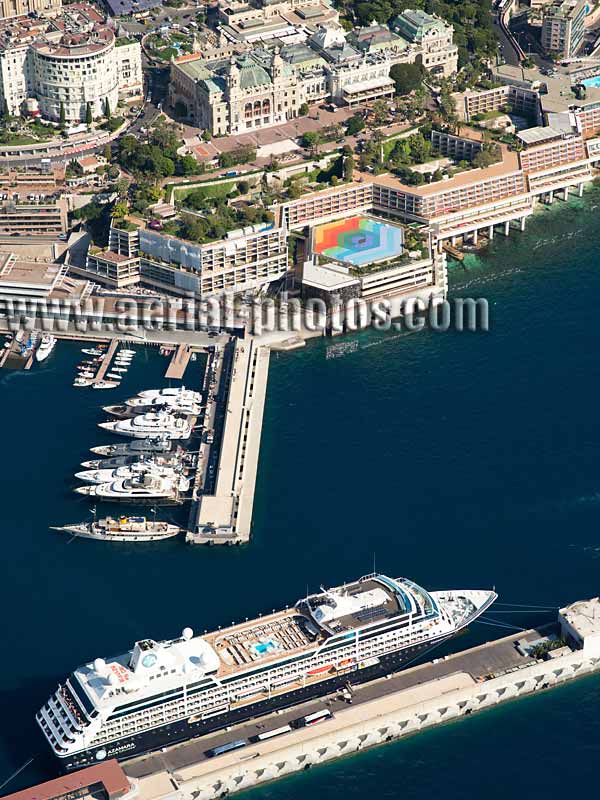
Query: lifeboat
320, 670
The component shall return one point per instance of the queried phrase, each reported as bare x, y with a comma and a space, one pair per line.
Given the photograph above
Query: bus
313, 719
225, 748
271, 734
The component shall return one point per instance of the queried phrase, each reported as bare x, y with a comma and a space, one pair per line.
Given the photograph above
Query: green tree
122, 187
380, 112
407, 77
74, 169
348, 168
303, 110
188, 165
354, 125
243, 187
62, 117
310, 140
106, 108
120, 210
88, 115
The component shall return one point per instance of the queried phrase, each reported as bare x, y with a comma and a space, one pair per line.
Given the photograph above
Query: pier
106, 361
222, 509
179, 361
381, 711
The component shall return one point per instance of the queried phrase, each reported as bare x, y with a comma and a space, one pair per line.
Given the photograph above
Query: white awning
365, 86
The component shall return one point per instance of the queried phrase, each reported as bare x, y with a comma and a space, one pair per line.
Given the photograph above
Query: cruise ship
163, 692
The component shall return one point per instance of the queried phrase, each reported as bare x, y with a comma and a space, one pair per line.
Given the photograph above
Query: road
507, 49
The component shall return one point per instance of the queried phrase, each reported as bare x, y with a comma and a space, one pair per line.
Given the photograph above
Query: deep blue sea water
457, 459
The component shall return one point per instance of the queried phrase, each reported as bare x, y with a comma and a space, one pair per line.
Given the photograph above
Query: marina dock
380, 711
222, 510
179, 361
106, 361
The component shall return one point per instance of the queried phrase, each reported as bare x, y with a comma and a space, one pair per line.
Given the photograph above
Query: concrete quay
224, 514
382, 711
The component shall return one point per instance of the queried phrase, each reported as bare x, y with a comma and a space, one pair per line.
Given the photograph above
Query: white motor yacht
159, 423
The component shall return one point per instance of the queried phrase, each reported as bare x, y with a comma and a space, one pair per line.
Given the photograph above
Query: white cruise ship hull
355, 633
190, 728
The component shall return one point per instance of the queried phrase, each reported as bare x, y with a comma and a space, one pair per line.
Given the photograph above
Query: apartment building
563, 27
33, 219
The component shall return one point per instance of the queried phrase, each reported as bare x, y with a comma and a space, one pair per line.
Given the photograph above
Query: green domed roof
251, 73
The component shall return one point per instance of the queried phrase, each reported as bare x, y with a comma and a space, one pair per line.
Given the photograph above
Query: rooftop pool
358, 240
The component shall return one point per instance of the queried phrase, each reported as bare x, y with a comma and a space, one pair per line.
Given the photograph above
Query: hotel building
72, 61
245, 260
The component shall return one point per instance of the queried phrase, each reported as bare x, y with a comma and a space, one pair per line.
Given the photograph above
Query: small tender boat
121, 411
114, 376
124, 529
120, 370
86, 374
92, 352
156, 444
46, 346
83, 382
128, 352
106, 384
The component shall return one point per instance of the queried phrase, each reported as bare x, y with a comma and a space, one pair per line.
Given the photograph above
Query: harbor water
456, 459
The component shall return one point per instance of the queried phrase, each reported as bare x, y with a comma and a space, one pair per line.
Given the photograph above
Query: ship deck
261, 641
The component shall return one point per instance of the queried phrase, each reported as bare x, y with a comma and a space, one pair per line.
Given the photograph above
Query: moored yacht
123, 529
146, 488
128, 471
159, 423
178, 393
155, 444
174, 459
46, 346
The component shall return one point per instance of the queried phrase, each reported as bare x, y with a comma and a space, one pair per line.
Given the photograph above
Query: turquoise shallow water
457, 459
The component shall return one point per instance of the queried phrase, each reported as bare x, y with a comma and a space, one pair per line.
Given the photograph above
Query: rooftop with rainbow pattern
358, 240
